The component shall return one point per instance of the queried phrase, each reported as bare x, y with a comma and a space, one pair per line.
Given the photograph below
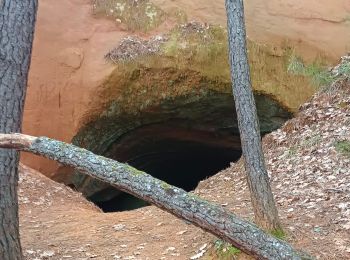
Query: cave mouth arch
180, 141
173, 153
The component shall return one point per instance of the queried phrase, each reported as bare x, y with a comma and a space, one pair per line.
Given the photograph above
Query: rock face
68, 65
180, 141
311, 25
167, 108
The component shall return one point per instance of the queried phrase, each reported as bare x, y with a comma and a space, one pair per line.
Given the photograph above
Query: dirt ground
57, 223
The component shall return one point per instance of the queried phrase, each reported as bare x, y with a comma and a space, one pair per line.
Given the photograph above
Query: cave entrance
171, 152
181, 141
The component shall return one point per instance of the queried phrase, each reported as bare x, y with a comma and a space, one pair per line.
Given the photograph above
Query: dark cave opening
184, 166
181, 142
178, 156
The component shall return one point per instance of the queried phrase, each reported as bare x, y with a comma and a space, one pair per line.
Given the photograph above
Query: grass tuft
279, 233
343, 147
317, 70
225, 251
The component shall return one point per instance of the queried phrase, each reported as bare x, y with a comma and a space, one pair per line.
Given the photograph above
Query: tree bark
266, 215
210, 217
17, 19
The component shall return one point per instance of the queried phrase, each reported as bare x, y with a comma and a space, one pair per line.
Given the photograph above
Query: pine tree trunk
208, 216
17, 18
266, 215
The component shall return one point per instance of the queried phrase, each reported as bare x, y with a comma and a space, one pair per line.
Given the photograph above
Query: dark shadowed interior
180, 141
178, 156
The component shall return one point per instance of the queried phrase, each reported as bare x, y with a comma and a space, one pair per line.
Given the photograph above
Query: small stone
119, 227
47, 254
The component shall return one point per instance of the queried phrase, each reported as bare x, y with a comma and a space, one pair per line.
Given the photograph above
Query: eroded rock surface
172, 138
68, 64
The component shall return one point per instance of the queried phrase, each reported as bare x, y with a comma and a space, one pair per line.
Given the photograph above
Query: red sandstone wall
68, 64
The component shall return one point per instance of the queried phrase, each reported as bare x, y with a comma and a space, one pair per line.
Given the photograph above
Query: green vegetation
343, 147
292, 151
317, 70
165, 185
343, 104
344, 69
194, 58
225, 251
279, 233
139, 15
312, 141
196, 45
133, 170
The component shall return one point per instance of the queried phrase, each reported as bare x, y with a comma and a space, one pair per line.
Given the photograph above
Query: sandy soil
57, 223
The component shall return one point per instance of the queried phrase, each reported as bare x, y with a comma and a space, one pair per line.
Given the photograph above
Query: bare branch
16, 141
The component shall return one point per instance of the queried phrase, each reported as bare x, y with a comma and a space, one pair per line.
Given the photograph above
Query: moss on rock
140, 15
188, 79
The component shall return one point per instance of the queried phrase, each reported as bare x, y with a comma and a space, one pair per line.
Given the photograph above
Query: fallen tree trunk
208, 216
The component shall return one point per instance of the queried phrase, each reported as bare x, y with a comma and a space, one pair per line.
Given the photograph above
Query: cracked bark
208, 216
266, 215
17, 18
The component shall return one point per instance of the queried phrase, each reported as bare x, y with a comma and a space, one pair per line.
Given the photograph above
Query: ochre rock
68, 65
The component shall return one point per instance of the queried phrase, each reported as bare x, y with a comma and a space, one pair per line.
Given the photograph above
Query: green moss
122, 95
279, 233
343, 147
203, 47
194, 196
134, 171
136, 15
195, 59
165, 185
